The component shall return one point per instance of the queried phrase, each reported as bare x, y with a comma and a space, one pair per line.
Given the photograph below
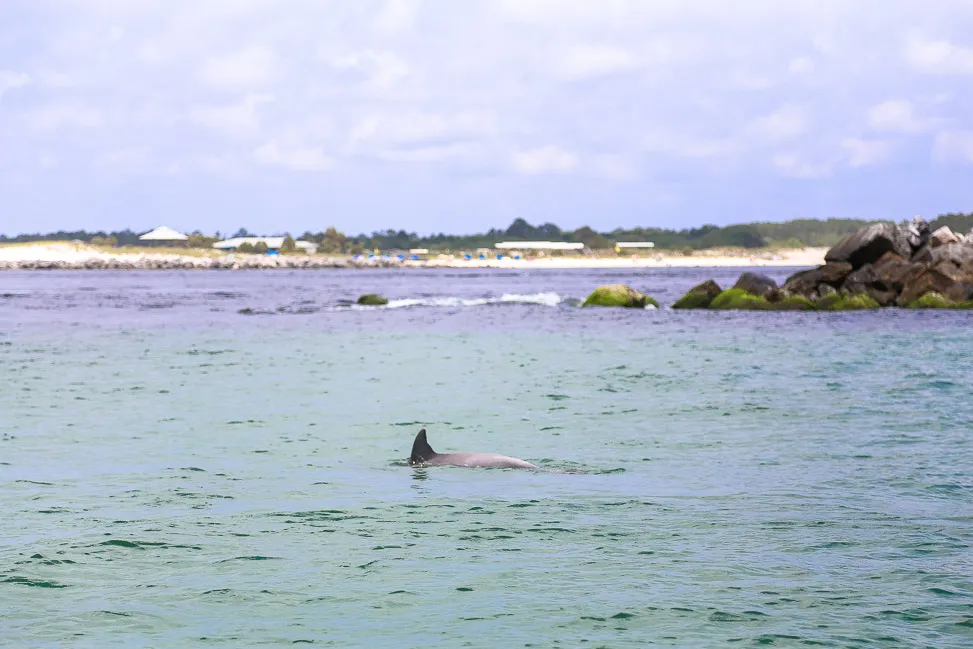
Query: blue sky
442, 115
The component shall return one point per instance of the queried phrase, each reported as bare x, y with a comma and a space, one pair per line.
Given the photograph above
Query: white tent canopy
273, 243
163, 233
538, 245
635, 244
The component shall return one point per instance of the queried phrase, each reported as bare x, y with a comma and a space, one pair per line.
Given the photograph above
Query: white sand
804, 257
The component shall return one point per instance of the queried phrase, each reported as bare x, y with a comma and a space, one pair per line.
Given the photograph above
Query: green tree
260, 248
289, 245
333, 241
246, 246
590, 238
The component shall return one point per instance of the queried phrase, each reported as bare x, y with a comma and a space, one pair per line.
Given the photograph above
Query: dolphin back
421, 451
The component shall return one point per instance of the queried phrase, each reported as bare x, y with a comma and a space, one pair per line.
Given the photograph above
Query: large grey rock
699, 296
947, 270
806, 282
869, 244
917, 232
883, 280
757, 284
943, 236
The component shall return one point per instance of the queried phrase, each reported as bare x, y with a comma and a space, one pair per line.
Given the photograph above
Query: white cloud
396, 16
383, 70
953, 146
297, 158
687, 145
864, 153
56, 116
897, 116
548, 159
938, 56
10, 80
793, 165
237, 120
787, 122
613, 167
122, 160
800, 66
593, 60
248, 68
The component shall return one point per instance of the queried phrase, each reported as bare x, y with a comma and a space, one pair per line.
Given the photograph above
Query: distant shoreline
72, 256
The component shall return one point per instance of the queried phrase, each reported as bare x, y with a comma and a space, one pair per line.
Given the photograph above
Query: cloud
800, 66
396, 16
65, 115
592, 60
864, 153
248, 68
382, 71
897, 116
792, 165
548, 159
297, 158
236, 120
787, 122
953, 146
10, 80
938, 56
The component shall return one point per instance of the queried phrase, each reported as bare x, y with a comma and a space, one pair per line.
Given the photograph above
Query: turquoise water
178, 474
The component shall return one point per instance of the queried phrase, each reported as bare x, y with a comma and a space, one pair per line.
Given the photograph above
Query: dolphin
422, 453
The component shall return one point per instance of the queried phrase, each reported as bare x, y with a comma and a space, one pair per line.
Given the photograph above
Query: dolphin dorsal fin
421, 451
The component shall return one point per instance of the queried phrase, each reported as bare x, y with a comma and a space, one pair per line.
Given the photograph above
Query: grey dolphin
422, 453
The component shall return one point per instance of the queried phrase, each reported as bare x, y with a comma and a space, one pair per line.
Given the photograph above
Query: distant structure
635, 244
272, 243
163, 234
538, 245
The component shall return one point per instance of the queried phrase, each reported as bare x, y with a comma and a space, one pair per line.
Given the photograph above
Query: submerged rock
793, 303
738, 299
699, 296
619, 295
372, 299
931, 301
868, 244
757, 284
846, 302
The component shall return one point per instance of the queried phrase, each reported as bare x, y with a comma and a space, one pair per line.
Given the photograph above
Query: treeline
788, 234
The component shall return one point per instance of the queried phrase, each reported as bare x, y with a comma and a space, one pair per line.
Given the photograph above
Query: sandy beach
67, 255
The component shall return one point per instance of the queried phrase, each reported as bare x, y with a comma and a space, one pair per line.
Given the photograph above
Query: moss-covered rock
932, 301
965, 304
842, 302
619, 295
372, 299
793, 303
735, 298
699, 297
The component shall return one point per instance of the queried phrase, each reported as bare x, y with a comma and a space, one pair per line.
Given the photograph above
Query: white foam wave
543, 299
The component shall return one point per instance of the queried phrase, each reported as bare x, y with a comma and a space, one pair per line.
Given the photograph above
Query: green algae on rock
735, 298
372, 299
699, 296
841, 302
793, 303
619, 295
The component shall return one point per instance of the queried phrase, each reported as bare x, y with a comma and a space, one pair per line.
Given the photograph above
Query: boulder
793, 303
806, 282
846, 302
372, 299
883, 280
869, 244
738, 299
757, 284
699, 296
942, 236
931, 301
619, 295
917, 232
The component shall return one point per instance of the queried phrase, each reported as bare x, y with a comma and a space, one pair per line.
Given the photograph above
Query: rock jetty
881, 265
178, 262
619, 295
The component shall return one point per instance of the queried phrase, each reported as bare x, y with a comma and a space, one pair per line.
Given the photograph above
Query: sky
460, 116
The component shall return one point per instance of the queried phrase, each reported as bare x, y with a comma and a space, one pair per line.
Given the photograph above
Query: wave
541, 299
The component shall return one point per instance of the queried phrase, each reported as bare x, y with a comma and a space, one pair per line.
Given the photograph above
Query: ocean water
177, 473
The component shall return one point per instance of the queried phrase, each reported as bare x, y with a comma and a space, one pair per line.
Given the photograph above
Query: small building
272, 243
635, 244
164, 235
539, 245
